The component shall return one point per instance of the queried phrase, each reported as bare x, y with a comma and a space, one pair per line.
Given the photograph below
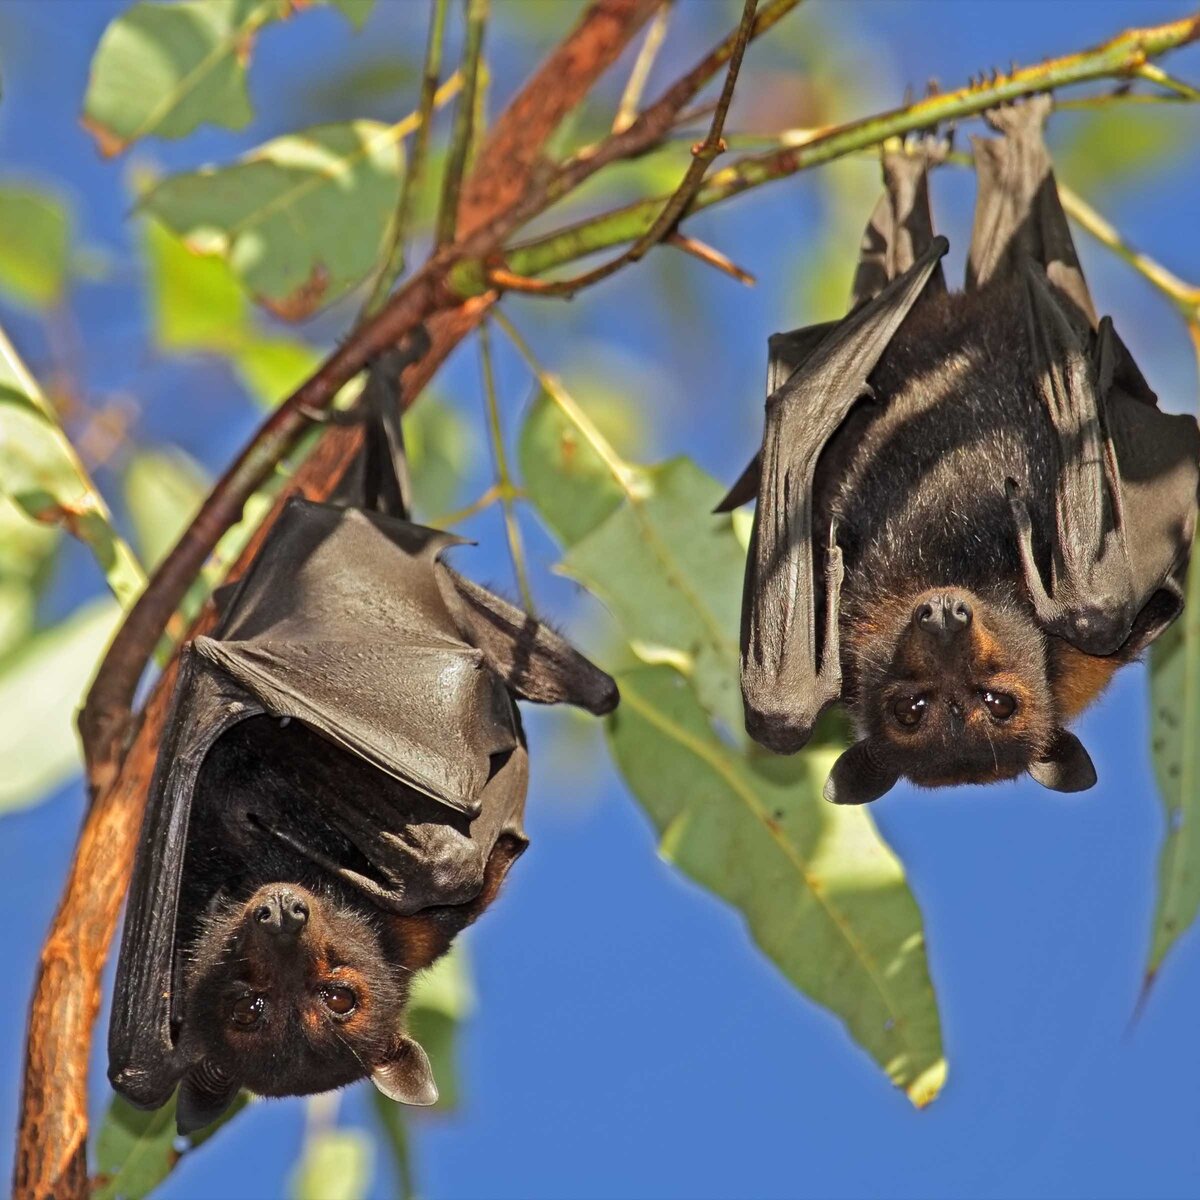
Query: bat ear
405, 1075
858, 777
205, 1092
1066, 766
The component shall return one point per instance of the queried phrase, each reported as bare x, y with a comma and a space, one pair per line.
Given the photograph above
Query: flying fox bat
971, 511
339, 791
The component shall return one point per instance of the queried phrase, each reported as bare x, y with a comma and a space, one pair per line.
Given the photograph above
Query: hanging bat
339, 792
971, 511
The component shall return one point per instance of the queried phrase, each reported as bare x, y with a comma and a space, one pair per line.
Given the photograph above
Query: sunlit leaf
671, 573
35, 234
300, 219
1175, 717
136, 1150
198, 305
822, 893
42, 684
41, 473
163, 70
336, 1165
567, 481
163, 490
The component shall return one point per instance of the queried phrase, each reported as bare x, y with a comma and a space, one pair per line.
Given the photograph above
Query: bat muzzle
943, 617
281, 913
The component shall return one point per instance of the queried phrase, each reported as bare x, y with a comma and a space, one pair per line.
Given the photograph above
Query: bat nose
282, 912
943, 616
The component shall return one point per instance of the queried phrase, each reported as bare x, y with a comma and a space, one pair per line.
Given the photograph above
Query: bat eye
909, 710
1000, 704
341, 1001
247, 1011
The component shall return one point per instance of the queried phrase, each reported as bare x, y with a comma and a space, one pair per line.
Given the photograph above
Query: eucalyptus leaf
671, 573
136, 1150
41, 687
823, 895
164, 70
26, 554
301, 219
35, 235
163, 490
441, 445
42, 474
336, 1165
1175, 717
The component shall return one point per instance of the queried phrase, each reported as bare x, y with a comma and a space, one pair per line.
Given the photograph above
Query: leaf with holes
301, 219
823, 895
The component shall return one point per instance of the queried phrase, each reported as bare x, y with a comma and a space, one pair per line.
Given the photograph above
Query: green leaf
1175, 717
336, 1165
441, 444
198, 304
165, 69
163, 490
41, 473
137, 1150
301, 219
26, 554
1120, 143
671, 573
821, 891
355, 11
41, 687
35, 235
563, 476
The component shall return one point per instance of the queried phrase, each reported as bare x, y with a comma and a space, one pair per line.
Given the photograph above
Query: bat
339, 792
970, 510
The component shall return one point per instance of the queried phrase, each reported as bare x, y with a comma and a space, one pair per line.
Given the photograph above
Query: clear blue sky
629, 1041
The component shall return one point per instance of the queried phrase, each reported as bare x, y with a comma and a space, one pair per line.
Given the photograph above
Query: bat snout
281, 913
943, 616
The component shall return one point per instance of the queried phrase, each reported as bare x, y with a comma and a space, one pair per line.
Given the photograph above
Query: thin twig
677, 203
464, 124
632, 96
1118, 57
1154, 74
504, 483
481, 504
393, 266
708, 254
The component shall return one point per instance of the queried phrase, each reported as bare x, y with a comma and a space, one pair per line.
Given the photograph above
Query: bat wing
785, 686
1126, 486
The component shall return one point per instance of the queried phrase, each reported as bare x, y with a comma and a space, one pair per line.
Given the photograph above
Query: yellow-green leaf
136, 1150
41, 688
163, 490
823, 895
42, 474
301, 219
336, 1165
35, 234
1175, 718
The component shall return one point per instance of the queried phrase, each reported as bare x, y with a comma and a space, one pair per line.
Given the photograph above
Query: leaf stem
632, 96
464, 123
504, 483
393, 266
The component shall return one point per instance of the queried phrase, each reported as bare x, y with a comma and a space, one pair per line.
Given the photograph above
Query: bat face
293, 992
954, 688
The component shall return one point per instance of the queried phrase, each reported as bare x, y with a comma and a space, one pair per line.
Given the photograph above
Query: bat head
954, 687
294, 992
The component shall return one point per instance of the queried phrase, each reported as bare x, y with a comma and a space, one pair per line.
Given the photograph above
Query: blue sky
629, 1041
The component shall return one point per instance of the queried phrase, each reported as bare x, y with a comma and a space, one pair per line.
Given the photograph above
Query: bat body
971, 511
339, 792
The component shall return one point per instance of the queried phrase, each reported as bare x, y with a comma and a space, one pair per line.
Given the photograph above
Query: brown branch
677, 204
513, 148
710, 255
